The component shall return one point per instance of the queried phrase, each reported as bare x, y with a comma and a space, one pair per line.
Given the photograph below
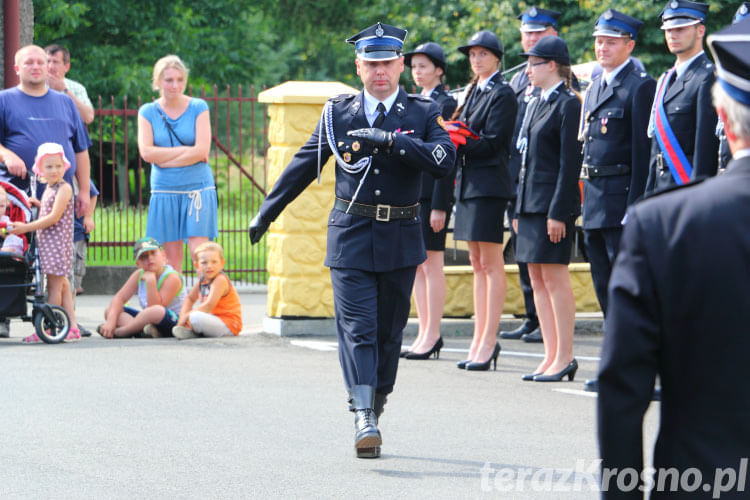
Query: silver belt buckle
380, 210
660, 161
585, 172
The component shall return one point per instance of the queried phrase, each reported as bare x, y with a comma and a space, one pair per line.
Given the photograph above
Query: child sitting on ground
218, 312
160, 292
8, 242
54, 232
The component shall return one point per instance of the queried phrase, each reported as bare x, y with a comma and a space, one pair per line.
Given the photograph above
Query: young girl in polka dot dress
54, 232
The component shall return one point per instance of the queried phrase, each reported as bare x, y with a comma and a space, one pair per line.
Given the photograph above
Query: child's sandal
31, 339
74, 334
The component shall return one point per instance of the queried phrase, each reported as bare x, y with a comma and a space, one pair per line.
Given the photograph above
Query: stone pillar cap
294, 92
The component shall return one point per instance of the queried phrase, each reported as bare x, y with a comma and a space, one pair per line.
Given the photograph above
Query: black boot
367, 438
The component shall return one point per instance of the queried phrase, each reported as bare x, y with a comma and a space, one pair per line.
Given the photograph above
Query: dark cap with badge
681, 13
144, 245
551, 48
536, 19
731, 50
486, 39
616, 24
379, 42
742, 12
429, 49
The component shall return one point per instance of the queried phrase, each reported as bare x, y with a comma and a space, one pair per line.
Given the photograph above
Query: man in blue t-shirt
32, 114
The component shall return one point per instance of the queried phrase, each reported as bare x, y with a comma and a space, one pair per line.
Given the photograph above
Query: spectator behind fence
427, 63
32, 114
8, 242
174, 135
218, 313
82, 227
54, 232
160, 292
483, 190
58, 64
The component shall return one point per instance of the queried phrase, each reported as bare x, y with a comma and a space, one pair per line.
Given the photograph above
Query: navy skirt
533, 245
480, 219
432, 240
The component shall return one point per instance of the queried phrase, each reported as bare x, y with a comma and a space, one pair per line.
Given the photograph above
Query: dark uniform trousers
616, 158
689, 108
679, 309
372, 262
521, 87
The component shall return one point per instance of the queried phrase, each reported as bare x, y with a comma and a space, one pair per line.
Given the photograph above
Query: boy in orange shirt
218, 312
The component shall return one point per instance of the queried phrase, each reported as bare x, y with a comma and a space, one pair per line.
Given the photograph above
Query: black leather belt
604, 170
382, 213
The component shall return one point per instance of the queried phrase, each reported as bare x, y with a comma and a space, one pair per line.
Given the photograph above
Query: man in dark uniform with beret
382, 139
616, 112
680, 309
725, 155
683, 121
536, 23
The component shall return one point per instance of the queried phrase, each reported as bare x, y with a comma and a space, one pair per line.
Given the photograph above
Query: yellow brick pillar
298, 283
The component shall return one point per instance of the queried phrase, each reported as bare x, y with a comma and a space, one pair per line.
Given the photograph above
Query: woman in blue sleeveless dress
174, 135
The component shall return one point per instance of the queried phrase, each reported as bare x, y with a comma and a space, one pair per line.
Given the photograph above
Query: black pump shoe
483, 367
426, 355
461, 365
569, 370
530, 376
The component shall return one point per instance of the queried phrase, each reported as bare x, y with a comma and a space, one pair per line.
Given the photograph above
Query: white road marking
577, 392
317, 345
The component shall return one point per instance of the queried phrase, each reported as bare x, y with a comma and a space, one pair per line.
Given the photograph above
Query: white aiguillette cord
326, 124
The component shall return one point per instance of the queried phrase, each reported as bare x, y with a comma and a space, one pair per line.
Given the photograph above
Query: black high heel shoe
530, 376
569, 370
483, 367
461, 365
426, 355
403, 354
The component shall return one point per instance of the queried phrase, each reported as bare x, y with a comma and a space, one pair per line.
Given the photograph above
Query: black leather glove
258, 227
375, 136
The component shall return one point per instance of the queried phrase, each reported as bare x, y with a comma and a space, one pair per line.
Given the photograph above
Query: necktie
381, 116
603, 87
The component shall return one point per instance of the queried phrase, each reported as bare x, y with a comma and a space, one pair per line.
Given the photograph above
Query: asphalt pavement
260, 415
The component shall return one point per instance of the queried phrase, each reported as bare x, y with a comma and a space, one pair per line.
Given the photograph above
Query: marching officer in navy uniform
382, 139
427, 63
536, 23
679, 309
615, 118
724, 154
683, 120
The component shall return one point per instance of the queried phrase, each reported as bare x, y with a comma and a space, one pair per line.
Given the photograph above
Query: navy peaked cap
379, 42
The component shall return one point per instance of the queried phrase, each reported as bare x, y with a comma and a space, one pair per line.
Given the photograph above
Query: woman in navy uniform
382, 139
483, 189
427, 63
548, 202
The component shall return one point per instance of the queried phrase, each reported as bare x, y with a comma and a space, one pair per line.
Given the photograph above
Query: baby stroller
21, 278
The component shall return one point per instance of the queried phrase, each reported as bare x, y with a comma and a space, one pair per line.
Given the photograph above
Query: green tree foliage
115, 43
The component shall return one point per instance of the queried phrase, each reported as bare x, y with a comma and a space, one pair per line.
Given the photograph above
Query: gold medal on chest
347, 157
355, 147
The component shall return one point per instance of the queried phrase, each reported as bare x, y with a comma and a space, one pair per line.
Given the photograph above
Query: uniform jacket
524, 92
438, 193
394, 178
679, 308
549, 183
623, 113
483, 163
693, 119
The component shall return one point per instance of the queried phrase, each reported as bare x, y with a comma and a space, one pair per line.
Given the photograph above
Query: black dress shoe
403, 354
530, 376
569, 370
527, 326
591, 385
533, 337
461, 365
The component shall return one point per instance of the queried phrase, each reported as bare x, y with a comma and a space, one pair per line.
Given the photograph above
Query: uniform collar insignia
400, 107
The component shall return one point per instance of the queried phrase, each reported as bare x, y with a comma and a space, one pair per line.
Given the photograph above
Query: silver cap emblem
379, 31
